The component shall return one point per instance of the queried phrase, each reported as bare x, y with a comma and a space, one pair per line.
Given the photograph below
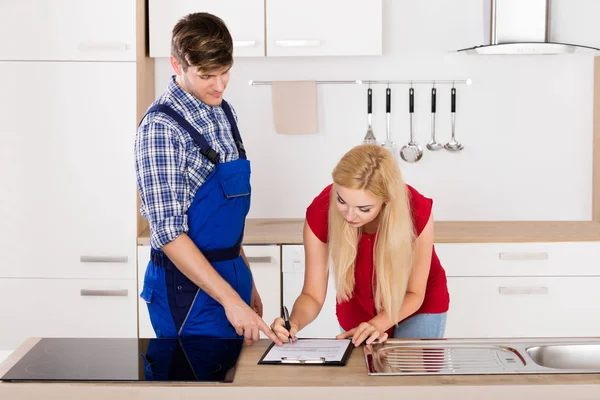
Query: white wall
526, 122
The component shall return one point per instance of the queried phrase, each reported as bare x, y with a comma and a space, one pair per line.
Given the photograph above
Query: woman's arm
308, 305
417, 282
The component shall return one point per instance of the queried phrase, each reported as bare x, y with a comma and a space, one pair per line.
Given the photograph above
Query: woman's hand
278, 327
364, 331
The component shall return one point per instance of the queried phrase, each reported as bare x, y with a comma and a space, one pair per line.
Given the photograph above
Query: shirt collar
188, 100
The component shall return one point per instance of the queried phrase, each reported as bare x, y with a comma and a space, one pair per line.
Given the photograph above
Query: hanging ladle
453, 145
433, 145
411, 152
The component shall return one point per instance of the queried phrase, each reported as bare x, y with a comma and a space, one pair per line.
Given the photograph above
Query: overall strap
205, 148
234, 129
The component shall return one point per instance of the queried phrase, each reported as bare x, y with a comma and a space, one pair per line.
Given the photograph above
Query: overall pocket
236, 185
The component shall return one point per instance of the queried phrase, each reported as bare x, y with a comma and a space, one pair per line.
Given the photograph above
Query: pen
286, 319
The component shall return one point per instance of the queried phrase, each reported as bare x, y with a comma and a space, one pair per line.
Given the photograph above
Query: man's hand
256, 302
363, 331
246, 322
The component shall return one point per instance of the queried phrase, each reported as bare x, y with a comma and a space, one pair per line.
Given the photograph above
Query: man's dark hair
202, 40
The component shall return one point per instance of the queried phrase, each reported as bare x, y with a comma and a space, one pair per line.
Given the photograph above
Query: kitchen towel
294, 106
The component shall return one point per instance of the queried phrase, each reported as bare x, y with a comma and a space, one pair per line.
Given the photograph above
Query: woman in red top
378, 233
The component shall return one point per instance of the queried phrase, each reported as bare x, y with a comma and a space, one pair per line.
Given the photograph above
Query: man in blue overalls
194, 182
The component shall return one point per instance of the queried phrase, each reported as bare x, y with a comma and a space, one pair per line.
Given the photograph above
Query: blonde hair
372, 168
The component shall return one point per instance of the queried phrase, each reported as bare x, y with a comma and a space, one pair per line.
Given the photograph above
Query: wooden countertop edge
289, 231
353, 376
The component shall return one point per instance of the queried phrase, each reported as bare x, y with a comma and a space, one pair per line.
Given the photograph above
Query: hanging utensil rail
383, 82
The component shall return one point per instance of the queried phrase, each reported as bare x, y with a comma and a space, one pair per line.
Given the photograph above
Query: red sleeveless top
361, 306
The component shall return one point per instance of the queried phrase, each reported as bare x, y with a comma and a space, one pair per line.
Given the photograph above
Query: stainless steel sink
483, 356
566, 356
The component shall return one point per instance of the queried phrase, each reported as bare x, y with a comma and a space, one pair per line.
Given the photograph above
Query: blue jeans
422, 326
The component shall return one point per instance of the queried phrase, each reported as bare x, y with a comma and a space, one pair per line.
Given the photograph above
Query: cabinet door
324, 28
145, 329
245, 20
265, 263
523, 307
68, 204
66, 308
67, 30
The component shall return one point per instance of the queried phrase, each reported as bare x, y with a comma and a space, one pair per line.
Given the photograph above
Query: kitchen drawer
523, 307
520, 259
66, 308
266, 269
42, 30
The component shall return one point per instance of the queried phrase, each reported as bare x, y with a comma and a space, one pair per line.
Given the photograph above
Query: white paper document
330, 349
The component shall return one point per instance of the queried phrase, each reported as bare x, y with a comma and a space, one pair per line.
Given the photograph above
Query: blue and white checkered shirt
169, 166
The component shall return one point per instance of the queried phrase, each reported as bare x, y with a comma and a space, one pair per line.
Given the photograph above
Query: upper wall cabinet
292, 28
324, 27
245, 20
82, 30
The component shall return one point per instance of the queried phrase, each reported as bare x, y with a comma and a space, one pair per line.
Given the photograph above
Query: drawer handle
297, 43
103, 46
260, 260
105, 292
523, 290
523, 256
244, 43
103, 259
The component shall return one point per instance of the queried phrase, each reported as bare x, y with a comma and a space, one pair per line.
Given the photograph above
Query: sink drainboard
439, 359
483, 356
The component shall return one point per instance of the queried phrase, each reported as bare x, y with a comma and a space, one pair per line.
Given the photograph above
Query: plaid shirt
168, 163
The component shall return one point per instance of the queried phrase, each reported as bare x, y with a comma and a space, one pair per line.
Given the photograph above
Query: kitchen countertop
299, 382
289, 231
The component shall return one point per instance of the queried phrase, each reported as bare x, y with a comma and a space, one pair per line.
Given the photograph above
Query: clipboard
305, 360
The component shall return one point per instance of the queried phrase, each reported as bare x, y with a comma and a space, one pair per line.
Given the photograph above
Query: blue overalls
216, 217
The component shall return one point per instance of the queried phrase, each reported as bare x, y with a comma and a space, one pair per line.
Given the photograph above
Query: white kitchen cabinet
68, 204
522, 289
66, 308
484, 307
324, 28
265, 263
36, 30
245, 20
291, 28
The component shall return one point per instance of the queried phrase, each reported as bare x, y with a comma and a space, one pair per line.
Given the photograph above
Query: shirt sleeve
421, 209
162, 183
317, 214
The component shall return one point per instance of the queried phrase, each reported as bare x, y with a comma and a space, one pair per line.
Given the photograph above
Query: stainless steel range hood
521, 27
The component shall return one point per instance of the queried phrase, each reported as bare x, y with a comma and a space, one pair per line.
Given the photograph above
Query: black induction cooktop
111, 359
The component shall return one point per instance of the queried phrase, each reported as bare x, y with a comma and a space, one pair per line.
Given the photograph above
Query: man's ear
176, 65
